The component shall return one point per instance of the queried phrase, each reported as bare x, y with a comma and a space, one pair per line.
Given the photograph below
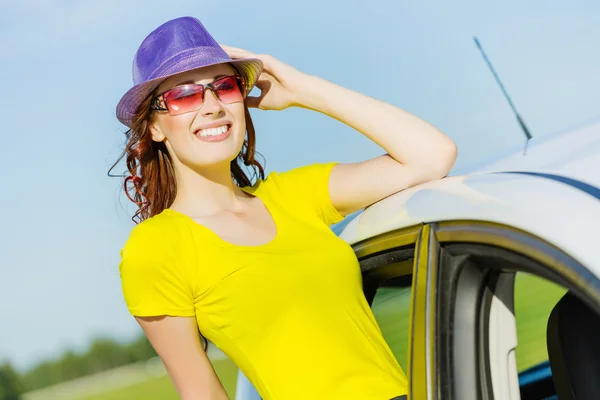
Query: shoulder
305, 190
157, 237
155, 271
149, 231
305, 177
311, 174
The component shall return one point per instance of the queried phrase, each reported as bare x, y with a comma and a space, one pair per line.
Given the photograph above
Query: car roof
552, 192
572, 153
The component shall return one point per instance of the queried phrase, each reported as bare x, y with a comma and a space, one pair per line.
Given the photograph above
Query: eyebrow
191, 81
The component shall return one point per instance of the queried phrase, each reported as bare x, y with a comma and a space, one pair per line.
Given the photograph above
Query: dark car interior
574, 349
573, 369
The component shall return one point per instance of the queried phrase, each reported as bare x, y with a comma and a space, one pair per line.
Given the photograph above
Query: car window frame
394, 255
410, 255
539, 258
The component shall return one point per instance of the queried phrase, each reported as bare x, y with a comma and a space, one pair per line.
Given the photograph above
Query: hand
279, 83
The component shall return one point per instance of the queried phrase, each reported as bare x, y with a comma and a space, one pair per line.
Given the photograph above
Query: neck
205, 191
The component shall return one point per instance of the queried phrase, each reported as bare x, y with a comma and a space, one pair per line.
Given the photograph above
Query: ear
156, 133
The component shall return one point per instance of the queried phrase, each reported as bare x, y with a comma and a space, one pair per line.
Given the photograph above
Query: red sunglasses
190, 97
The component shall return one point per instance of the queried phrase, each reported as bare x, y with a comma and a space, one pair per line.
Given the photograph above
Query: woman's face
210, 136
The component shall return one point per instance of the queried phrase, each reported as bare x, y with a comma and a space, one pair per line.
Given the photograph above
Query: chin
214, 157
199, 154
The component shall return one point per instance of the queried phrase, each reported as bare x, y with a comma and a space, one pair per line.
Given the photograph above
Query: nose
212, 105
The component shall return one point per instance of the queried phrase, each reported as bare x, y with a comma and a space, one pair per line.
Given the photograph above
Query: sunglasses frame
158, 103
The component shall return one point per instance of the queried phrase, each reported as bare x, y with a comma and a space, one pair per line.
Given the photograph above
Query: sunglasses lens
228, 89
183, 99
188, 98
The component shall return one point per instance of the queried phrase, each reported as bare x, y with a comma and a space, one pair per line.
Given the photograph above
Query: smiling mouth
213, 132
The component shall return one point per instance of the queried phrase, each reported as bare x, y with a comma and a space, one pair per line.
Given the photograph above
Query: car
486, 283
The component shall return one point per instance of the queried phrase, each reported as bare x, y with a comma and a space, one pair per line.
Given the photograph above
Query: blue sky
66, 64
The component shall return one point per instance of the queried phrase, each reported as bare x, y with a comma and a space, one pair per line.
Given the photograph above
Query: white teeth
213, 131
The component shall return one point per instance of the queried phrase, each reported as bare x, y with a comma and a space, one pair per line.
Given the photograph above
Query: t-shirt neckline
224, 243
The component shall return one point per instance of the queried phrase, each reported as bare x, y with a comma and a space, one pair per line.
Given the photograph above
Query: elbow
442, 162
438, 164
449, 156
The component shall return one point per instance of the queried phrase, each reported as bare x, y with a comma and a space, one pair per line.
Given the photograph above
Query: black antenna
519, 119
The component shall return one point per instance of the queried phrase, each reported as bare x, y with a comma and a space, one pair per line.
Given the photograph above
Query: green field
534, 299
162, 389
153, 389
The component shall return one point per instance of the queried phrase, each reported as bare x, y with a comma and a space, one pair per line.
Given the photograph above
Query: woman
254, 266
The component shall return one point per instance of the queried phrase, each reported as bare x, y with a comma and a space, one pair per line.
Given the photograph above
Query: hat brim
248, 68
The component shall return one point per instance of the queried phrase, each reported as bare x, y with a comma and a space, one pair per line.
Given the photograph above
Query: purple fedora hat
179, 45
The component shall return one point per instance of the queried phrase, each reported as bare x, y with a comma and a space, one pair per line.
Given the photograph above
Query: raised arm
177, 342
417, 152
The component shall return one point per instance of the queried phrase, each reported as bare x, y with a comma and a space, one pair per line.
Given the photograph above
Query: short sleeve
307, 188
153, 276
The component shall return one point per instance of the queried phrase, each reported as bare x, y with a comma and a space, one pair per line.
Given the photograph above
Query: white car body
560, 213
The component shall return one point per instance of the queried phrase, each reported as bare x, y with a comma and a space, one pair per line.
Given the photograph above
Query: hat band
186, 60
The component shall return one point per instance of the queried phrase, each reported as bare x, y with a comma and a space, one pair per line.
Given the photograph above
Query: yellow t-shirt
290, 313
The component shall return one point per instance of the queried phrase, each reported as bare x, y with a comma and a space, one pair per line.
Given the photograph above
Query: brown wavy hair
150, 178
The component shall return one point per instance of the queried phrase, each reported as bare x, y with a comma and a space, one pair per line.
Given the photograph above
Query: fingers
235, 52
266, 76
264, 84
225, 47
253, 101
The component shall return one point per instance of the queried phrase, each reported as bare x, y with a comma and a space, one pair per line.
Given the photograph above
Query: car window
534, 299
391, 307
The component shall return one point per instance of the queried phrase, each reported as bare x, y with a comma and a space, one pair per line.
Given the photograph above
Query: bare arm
417, 152
177, 342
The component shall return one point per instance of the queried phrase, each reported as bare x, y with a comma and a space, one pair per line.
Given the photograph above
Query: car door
479, 277
391, 268
403, 301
